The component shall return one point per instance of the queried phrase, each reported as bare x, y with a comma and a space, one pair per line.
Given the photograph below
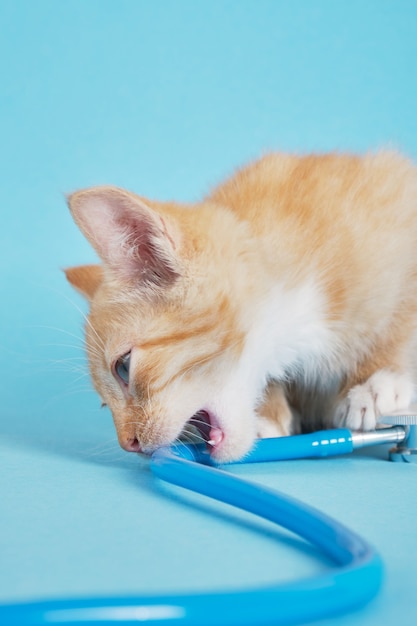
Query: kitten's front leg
275, 416
384, 392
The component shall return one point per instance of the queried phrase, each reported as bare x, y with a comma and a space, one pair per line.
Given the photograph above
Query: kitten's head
165, 332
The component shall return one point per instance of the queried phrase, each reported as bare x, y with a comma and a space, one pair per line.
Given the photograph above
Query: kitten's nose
131, 445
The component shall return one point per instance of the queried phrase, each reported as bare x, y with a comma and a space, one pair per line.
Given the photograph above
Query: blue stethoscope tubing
352, 583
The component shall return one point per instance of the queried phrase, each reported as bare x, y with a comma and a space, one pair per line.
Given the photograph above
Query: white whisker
100, 343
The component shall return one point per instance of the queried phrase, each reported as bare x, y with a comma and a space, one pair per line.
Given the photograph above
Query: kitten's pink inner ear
130, 237
85, 278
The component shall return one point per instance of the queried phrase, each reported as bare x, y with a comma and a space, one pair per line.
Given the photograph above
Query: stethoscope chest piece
406, 451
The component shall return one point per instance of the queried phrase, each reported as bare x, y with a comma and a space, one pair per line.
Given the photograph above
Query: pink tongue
216, 436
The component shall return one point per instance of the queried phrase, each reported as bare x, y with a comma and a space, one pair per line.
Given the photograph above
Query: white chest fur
289, 334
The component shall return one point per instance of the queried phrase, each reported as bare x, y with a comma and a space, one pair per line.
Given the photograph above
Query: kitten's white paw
383, 393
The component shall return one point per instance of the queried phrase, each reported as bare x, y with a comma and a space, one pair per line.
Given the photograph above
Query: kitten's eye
121, 369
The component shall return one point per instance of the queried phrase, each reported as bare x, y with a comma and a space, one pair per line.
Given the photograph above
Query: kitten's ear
130, 237
85, 278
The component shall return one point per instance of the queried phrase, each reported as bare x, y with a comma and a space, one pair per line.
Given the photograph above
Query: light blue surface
165, 98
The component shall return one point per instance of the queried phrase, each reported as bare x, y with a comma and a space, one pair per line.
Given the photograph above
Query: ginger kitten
285, 300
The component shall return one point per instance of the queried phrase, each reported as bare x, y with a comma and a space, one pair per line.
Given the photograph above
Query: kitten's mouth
207, 428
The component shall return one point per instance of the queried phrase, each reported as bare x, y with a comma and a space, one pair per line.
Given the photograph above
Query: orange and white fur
285, 300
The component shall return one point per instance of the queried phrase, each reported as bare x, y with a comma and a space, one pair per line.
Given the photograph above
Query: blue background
166, 98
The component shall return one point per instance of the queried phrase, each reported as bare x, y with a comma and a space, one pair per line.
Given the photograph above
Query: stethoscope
353, 581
